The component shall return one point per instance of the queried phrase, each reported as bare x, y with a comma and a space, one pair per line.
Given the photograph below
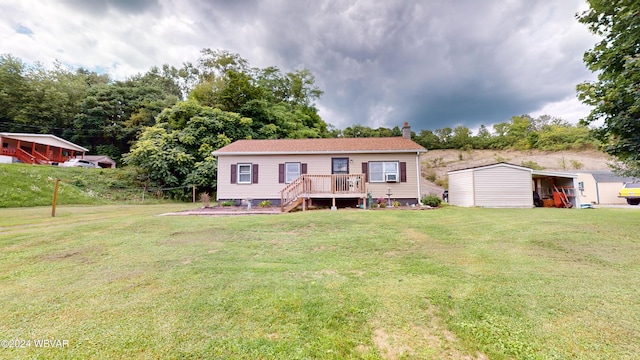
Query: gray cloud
101, 7
433, 63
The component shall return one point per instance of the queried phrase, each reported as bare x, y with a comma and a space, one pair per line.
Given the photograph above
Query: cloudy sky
433, 63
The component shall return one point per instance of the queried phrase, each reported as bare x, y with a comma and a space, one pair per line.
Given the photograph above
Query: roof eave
328, 152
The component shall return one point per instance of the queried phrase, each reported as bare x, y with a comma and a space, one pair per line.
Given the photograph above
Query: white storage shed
504, 185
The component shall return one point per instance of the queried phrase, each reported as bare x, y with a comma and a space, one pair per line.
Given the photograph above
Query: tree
176, 151
615, 96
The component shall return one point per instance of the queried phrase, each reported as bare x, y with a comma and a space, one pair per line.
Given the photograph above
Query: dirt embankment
436, 163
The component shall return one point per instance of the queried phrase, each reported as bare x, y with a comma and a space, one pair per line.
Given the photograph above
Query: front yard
121, 282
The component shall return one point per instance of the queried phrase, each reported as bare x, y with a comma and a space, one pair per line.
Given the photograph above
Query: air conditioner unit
391, 177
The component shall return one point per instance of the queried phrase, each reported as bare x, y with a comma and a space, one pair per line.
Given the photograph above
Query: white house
335, 171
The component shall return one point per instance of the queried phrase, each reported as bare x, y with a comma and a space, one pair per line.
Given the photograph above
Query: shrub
432, 200
206, 200
442, 182
429, 174
396, 203
576, 164
265, 203
228, 203
532, 165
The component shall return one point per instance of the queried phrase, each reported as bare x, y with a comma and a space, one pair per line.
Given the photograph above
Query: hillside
32, 185
436, 163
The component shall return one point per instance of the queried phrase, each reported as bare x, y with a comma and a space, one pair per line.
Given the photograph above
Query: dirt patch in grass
400, 343
84, 255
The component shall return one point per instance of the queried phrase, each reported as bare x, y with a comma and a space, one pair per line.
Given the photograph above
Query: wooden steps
292, 205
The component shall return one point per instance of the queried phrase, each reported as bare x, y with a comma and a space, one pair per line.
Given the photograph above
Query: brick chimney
406, 131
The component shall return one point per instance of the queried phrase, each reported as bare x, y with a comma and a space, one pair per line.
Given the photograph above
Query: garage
505, 185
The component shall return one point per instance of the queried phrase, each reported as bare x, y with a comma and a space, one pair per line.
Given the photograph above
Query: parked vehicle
79, 163
630, 191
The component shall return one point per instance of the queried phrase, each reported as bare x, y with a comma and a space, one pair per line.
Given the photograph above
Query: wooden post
194, 194
55, 198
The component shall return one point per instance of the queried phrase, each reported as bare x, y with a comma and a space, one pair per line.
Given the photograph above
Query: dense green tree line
520, 133
108, 116
167, 121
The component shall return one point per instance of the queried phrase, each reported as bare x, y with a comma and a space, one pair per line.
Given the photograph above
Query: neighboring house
101, 160
601, 187
37, 148
335, 172
505, 185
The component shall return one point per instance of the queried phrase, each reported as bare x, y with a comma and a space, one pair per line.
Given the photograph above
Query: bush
576, 164
431, 200
228, 203
206, 200
532, 165
265, 203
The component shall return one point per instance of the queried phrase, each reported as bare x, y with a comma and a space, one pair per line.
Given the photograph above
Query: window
292, 171
339, 165
244, 174
380, 171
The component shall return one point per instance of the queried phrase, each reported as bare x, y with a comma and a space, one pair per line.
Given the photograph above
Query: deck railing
34, 158
322, 185
40, 157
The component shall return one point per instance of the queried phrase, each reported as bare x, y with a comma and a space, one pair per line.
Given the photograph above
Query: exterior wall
609, 193
590, 193
268, 186
600, 192
461, 188
503, 186
6, 159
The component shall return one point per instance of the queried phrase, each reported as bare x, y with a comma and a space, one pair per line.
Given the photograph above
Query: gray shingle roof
606, 176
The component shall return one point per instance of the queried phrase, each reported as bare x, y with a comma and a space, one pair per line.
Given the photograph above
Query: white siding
461, 188
5, 159
268, 186
503, 186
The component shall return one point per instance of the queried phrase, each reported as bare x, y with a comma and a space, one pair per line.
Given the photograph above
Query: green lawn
121, 282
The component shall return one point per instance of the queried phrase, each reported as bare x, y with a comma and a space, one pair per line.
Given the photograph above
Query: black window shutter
281, 173
234, 173
403, 172
255, 174
365, 170
303, 169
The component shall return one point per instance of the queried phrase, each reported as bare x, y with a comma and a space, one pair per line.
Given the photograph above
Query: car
79, 163
630, 191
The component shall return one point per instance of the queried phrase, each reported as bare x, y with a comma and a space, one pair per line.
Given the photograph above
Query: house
102, 161
504, 185
335, 172
37, 148
601, 187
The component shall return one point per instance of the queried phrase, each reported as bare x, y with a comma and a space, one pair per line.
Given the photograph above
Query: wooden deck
322, 187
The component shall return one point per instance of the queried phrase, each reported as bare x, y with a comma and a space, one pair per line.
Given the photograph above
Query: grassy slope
119, 282
30, 185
